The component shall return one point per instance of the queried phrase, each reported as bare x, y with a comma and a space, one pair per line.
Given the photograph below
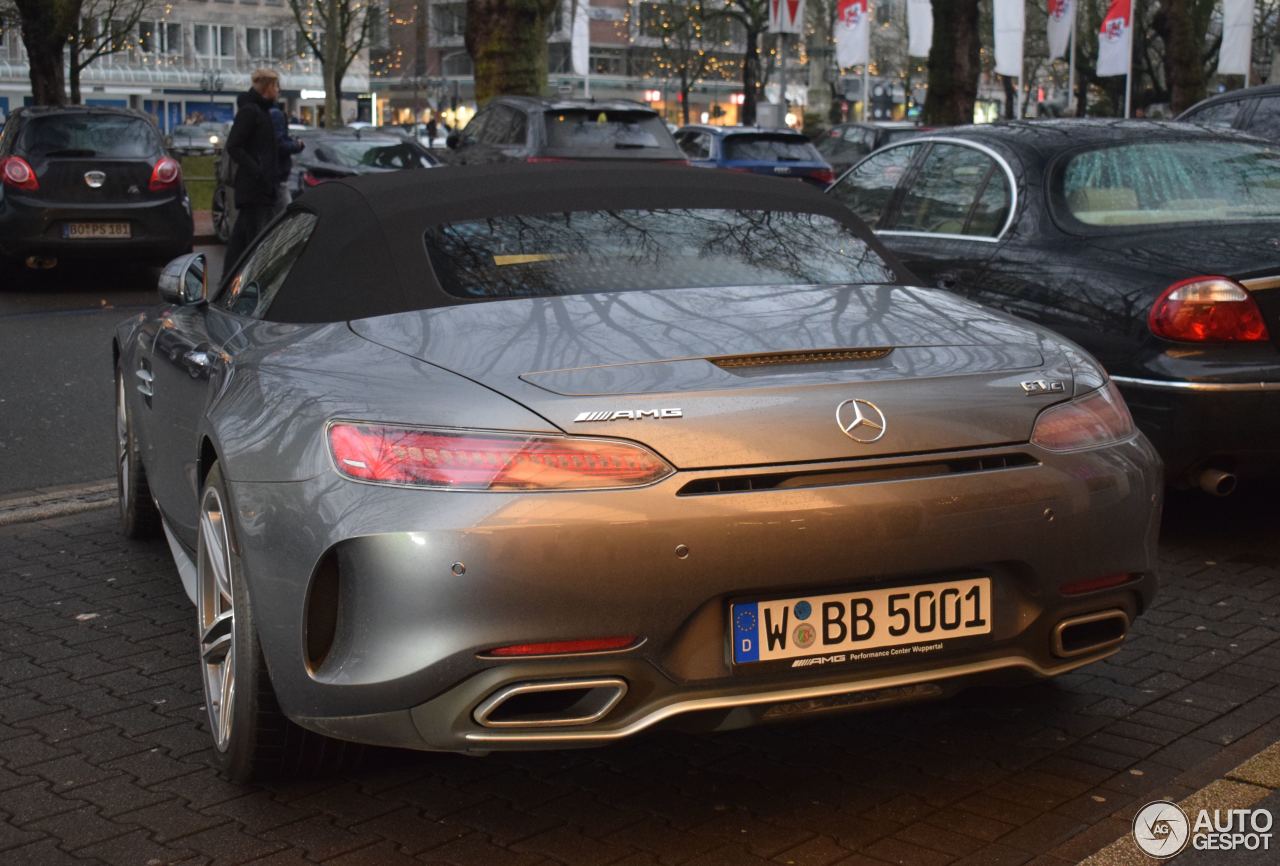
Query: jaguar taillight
478, 460
1207, 310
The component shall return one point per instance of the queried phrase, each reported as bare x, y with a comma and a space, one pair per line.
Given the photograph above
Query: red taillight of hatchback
1207, 310
824, 176
17, 173
475, 460
167, 174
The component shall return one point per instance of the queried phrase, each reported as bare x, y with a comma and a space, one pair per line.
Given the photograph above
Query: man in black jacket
252, 145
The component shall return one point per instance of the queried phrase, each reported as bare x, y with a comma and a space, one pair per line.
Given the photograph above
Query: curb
57, 502
1241, 788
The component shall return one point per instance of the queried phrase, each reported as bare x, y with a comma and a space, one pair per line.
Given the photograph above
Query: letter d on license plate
790, 628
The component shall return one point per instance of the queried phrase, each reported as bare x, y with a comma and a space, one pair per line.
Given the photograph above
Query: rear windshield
615, 133
585, 252
770, 148
895, 135
384, 153
1166, 182
85, 135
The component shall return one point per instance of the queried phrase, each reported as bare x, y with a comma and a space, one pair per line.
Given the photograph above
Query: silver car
543, 456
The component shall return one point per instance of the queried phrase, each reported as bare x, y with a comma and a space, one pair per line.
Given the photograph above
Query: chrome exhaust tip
1216, 482
551, 704
1090, 633
41, 263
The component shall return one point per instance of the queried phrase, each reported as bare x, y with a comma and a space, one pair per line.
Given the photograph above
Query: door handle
196, 362
948, 280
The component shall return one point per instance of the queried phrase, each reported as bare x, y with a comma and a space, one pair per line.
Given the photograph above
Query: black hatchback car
532, 129
1156, 246
1254, 109
89, 183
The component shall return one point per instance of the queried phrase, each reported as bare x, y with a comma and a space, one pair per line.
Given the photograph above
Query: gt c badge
1043, 386
861, 420
629, 415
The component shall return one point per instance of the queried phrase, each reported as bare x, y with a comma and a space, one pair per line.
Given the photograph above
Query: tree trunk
954, 63
684, 97
73, 71
1184, 70
331, 69
45, 28
507, 41
750, 78
1010, 97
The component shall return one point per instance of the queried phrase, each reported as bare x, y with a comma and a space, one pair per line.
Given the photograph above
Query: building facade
190, 58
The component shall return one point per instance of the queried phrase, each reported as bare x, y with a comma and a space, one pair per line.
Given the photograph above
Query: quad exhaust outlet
551, 703
1090, 633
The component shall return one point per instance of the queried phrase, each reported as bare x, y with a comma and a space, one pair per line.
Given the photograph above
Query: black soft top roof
367, 255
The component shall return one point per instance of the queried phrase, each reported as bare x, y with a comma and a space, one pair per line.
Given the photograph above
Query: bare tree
688, 37
753, 15
46, 26
336, 32
103, 27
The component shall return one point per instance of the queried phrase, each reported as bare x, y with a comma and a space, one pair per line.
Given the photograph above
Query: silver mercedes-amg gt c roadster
543, 456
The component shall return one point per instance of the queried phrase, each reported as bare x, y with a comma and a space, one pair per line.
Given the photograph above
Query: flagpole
1071, 63
866, 88
1128, 78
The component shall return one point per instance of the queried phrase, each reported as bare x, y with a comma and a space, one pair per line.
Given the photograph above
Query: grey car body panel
536, 563
952, 381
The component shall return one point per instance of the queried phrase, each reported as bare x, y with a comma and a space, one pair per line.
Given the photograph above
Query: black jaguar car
89, 183
1156, 246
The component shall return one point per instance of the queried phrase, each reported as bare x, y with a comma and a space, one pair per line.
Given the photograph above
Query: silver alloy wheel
123, 467
216, 603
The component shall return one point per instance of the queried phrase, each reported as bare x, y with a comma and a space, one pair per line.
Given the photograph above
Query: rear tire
253, 739
139, 517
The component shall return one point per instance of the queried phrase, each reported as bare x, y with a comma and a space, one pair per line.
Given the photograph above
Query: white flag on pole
919, 27
786, 16
1237, 38
853, 33
580, 38
1115, 40
1062, 20
1010, 26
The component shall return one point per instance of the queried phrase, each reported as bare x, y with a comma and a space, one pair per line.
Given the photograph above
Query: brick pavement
104, 757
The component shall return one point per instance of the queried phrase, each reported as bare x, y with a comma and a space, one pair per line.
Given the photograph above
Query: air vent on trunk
777, 359
861, 475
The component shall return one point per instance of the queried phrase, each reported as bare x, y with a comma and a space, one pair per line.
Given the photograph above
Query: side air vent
780, 359
867, 475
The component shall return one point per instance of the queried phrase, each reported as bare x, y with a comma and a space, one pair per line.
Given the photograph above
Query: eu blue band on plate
746, 632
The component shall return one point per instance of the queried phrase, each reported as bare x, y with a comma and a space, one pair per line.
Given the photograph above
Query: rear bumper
1227, 425
406, 664
160, 229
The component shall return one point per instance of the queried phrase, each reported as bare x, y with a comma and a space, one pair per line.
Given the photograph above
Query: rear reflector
1207, 310
17, 173
561, 647
473, 460
1077, 587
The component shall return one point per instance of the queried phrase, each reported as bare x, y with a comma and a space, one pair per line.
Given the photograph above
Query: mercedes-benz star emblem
861, 420
94, 179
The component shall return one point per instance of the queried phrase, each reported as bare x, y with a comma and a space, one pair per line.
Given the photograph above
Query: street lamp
211, 82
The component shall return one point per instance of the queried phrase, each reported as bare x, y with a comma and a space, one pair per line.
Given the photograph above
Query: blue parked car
775, 152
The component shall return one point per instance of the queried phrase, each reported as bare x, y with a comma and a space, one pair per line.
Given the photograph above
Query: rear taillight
17, 173
1207, 310
166, 175
310, 179
466, 460
544, 159
1096, 419
824, 175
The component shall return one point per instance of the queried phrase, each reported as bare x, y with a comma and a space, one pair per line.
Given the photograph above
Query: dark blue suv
773, 152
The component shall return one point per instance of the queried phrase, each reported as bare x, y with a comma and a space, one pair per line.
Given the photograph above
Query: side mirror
451, 141
185, 280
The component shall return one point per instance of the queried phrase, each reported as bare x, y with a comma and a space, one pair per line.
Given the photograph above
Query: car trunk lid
723, 377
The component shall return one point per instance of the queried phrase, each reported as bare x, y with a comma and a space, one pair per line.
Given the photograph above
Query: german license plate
853, 622
76, 231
